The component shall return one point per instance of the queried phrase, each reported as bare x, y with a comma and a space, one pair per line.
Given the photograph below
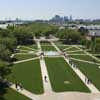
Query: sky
46, 9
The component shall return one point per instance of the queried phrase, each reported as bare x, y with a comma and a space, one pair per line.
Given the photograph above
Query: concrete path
47, 85
58, 96
26, 93
92, 88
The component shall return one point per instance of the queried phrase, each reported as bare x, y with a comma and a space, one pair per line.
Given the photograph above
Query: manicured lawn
63, 46
25, 48
78, 52
48, 48
13, 95
45, 43
72, 49
24, 56
33, 46
84, 57
62, 77
91, 71
29, 74
24, 51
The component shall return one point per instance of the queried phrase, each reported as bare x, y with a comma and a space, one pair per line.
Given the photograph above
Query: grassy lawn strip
77, 52
26, 48
63, 47
72, 49
48, 48
62, 77
91, 71
29, 74
32, 46
84, 57
13, 95
24, 56
45, 43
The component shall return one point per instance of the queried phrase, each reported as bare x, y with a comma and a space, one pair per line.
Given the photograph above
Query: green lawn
29, 74
34, 46
45, 43
28, 48
62, 76
91, 71
24, 51
13, 95
63, 46
72, 49
48, 48
24, 56
78, 52
84, 57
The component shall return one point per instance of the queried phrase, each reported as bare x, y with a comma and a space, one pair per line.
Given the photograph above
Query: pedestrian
45, 77
21, 87
16, 85
85, 79
88, 81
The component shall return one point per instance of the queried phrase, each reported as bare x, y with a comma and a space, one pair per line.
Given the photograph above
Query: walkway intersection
48, 92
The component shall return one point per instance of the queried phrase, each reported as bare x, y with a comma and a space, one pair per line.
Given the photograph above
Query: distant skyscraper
71, 18
66, 18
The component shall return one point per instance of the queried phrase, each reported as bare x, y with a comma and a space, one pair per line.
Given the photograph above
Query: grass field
77, 52
91, 71
62, 76
72, 49
48, 48
13, 95
63, 46
84, 57
29, 74
24, 56
45, 43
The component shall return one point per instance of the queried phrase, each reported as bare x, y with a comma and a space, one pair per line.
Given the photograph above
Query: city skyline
46, 9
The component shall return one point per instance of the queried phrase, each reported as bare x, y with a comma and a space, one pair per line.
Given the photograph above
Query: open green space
26, 48
29, 74
13, 95
45, 43
24, 56
72, 48
63, 46
84, 57
48, 48
62, 77
77, 52
92, 71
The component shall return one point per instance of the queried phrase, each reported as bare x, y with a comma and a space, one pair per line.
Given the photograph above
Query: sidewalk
47, 85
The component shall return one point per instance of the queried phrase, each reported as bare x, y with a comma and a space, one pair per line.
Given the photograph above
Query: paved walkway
26, 93
92, 88
47, 85
59, 96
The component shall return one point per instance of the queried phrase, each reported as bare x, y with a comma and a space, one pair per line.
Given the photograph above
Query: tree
83, 31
